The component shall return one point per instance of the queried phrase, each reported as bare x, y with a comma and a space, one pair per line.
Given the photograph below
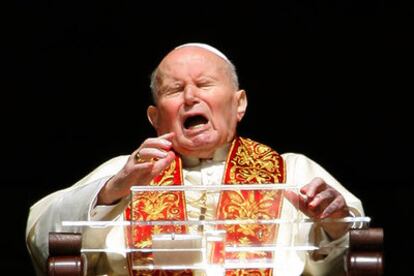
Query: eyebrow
203, 77
170, 85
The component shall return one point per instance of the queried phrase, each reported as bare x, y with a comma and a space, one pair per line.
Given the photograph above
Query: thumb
163, 163
298, 201
292, 197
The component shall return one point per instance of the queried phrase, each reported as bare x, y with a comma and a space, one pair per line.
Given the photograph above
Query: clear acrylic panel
218, 227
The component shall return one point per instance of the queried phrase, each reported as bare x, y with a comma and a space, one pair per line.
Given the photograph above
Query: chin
200, 146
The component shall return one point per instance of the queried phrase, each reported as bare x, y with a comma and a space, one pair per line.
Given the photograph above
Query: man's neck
220, 154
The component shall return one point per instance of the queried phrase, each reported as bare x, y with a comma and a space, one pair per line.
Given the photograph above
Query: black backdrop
329, 79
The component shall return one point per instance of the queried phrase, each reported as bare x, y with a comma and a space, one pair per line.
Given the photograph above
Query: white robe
77, 203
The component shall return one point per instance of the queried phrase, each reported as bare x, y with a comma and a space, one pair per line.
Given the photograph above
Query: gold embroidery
254, 163
157, 206
167, 176
248, 272
163, 273
251, 162
248, 162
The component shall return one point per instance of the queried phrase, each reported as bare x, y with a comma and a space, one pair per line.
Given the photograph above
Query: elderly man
198, 105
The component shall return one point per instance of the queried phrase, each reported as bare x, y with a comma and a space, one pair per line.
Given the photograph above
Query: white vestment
78, 203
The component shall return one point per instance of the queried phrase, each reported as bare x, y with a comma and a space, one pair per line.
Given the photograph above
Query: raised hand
318, 200
152, 156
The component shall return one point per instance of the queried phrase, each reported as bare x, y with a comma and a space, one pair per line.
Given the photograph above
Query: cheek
227, 114
168, 114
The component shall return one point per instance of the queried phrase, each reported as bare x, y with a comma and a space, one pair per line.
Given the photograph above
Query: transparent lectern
213, 230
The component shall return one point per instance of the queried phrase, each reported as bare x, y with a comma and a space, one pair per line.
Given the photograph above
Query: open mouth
194, 122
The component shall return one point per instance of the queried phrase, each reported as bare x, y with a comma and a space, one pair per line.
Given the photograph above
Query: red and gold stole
248, 162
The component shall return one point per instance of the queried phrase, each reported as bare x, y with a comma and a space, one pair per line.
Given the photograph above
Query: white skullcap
206, 47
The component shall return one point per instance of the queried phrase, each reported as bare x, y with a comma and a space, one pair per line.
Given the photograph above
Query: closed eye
204, 85
172, 90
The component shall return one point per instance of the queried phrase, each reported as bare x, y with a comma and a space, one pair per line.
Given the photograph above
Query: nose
190, 95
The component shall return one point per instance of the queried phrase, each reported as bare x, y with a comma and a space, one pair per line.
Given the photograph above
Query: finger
149, 153
312, 188
337, 208
167, 136
144, 167
163, 163
292, 197
156, 143
296, 199
129, 176
143, 175
322, 198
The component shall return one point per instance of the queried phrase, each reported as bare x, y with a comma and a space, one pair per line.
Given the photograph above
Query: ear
241, 104
152, 115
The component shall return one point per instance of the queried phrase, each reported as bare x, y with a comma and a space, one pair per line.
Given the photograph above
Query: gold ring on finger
138, 158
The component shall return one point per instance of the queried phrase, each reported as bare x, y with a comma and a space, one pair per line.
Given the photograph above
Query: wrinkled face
197, 100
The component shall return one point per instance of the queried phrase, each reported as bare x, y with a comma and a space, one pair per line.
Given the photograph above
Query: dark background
330, 79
